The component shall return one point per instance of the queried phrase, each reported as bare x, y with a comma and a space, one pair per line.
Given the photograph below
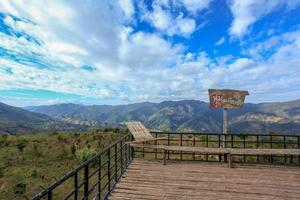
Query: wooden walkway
195, 180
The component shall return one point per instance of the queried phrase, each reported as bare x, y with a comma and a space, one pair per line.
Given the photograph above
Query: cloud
127, 7
247, 12
104, 56
220, 41
166, 21
196, 5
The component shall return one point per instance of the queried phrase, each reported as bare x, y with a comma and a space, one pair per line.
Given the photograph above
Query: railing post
180, 145
168, 145
156, 144
108, 169
257, 146
50, 195
284, 143
219, 145
116, 164
194, 144
121, 149
206, 141
99, 176
86, 181
271, 145
298, 141
131, 149
76, 185
244, 146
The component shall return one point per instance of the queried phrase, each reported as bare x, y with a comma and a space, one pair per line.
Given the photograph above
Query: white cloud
164, 20
220, 41
196, 5
127, 7
186, 26
247, 12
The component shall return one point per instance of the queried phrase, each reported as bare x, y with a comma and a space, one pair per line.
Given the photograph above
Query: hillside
17, 120
188, 115
26, 166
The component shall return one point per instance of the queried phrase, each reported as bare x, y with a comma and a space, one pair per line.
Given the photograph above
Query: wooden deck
195, 180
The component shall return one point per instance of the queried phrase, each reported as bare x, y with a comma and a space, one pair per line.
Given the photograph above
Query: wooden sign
227, 98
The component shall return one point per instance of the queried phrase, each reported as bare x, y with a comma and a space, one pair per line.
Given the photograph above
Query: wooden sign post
226, 99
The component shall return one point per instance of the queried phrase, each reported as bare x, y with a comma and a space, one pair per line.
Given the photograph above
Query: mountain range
14, 120
185, 115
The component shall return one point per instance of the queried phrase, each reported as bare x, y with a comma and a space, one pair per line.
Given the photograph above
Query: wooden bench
261, 152
229, 152
199, 150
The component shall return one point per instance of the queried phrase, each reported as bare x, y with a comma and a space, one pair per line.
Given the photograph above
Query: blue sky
127, 51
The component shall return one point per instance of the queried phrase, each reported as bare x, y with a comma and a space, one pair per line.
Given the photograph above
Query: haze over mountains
186, 115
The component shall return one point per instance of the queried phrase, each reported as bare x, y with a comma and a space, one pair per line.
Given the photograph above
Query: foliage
19, 188
73, 149
33, 173
85, 153
36, 150
21, 145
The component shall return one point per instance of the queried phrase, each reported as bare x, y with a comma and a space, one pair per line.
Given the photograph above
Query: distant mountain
186, 115
15, 120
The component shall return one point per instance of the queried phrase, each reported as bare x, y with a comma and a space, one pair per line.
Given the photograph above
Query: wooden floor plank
149, 180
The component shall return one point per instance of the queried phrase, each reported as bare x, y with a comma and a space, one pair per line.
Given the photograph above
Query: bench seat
229, 152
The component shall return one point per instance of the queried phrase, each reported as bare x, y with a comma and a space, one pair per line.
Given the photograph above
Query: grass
29, 163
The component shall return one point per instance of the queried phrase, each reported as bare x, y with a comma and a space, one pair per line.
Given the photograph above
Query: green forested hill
189, 115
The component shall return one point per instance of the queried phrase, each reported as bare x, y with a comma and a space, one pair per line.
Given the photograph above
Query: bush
85, 153
73, 149
36, 151
19, 188
60, 138
33, 173
21, 145
3, 141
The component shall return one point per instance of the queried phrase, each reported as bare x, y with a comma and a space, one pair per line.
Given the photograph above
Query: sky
128, 51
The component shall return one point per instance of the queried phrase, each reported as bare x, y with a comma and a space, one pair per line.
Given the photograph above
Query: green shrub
3, 141
73, 149
59, 137
21, 145
19, 188
33, 173
36, 150
85, 153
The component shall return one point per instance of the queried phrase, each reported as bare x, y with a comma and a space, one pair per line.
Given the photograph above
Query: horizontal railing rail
218, 140
95, 178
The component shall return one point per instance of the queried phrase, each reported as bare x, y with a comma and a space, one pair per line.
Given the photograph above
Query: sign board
227, 98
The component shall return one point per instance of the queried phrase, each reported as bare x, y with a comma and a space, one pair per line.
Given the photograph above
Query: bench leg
229, 161
225, 157
165, 155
